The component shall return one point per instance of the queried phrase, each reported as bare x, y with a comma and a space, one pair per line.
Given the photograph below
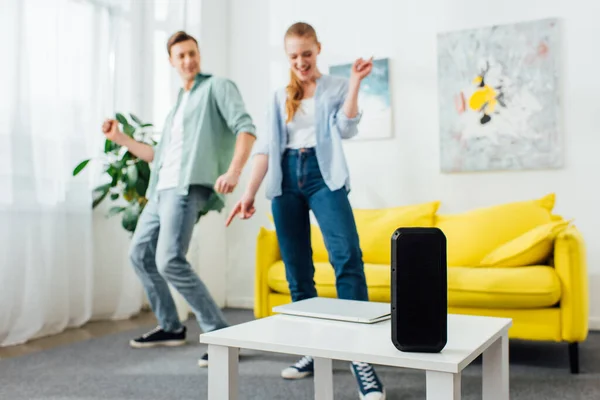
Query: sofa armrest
267, 253
570, 262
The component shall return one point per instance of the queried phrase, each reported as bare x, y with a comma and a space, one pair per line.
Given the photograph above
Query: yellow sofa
515, 260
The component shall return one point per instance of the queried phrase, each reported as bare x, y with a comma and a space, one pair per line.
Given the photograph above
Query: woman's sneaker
203, 361
303, 368
159, 337
369, 385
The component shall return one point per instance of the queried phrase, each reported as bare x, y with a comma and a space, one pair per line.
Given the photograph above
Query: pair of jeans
158, 254
304, 189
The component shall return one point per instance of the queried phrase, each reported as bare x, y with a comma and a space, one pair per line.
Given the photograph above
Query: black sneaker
203, 361
159, 337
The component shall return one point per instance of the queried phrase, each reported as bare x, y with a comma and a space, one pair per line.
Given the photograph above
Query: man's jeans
158, 254
303, 188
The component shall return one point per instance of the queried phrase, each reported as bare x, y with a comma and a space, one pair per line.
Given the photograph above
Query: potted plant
129, 175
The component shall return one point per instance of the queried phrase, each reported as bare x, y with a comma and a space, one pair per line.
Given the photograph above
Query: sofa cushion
375, 228
378, 277
526, 287
474, 234
531, 248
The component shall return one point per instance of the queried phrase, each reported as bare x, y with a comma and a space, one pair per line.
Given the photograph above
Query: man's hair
179, 37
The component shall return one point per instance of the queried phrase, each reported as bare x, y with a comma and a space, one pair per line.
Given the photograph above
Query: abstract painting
499, 99
373, 100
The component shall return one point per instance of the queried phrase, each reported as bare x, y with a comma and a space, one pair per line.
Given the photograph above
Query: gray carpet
106, 368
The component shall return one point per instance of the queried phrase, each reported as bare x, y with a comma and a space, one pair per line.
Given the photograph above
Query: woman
307, 171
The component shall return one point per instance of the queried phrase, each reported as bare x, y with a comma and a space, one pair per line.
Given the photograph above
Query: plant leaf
129, 130
132, 175
121, 118
100, 193
130, 217
114, 196
118, 165
115, 180
141, 186
114, 173
99, 199
110, 146
81, 166
114, 211
102, 188
143, 169
145, 125
130, 194
136, 119
113, 169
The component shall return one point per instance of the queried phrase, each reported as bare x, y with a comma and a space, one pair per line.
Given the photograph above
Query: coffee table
327, 340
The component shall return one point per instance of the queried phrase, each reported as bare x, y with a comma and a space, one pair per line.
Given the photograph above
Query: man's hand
244, 207
227, 182
110, 128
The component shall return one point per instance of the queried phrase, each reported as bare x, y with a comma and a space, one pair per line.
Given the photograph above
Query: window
168, 17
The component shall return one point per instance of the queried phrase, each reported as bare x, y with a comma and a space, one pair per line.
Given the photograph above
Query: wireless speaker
419, 287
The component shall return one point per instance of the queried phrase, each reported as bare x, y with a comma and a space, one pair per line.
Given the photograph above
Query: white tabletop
468, 336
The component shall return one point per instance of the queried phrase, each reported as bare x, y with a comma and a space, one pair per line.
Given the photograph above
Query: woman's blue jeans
304, 189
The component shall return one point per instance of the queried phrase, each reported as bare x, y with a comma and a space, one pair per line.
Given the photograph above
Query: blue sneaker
369, 385
303, 368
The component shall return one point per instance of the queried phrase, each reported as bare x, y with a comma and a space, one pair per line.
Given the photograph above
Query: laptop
366, 312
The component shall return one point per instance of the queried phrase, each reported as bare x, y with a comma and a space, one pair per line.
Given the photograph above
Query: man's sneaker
159, 337
203, 361
369, 385
303, 368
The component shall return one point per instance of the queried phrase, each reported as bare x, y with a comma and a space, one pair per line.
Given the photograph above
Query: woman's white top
301, 129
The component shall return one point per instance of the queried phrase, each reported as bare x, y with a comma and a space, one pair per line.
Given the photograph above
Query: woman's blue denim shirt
331, 126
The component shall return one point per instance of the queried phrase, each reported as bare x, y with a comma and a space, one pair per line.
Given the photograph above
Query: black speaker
419, 285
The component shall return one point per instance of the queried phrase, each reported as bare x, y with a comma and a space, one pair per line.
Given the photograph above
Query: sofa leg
574, 357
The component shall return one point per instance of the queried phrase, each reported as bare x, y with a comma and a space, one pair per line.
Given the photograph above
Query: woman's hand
361, 69
244, 207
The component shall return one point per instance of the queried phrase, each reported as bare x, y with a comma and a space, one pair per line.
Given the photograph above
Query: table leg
495, 370
222, 372
442, 385
323, 379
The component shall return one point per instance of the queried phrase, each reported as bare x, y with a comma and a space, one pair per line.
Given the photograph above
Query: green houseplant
129, 175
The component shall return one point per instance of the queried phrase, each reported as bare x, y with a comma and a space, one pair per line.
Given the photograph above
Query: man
206, 141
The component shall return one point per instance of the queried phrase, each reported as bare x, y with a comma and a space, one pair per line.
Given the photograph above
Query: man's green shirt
213, 117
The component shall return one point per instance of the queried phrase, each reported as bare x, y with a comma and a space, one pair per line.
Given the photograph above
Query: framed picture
374, 100
499, 98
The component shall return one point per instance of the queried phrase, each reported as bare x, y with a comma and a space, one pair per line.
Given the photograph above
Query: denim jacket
332, 125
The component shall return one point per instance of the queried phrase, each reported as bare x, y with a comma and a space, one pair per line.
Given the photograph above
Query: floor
89, 331
96, 363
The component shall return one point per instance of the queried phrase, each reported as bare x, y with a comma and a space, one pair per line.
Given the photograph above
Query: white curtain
55, 76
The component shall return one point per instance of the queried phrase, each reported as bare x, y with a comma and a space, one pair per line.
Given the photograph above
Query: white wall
406, 33
248, 56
